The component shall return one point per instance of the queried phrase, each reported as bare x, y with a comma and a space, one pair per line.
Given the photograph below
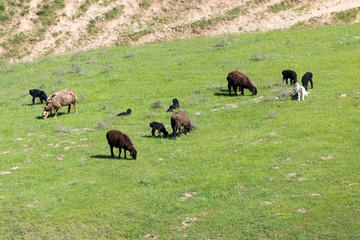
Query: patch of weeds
193, 124
170, 77
145, 4
282, 6
182, 62
60, 71
105, 54
80, 54
82, 97
105, 123
84, 7
137, 35
283, 93
78, 69
106, 68
129, 54
91, 27
48, 11
269, 84
42, 85
198, 90
59, 81
92, 60
346, 16
257, 57
158, 104
272, 114
221, 43
60, 128
113, 13
193, 100
151, 114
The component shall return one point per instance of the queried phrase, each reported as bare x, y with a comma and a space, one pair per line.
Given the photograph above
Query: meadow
255, 167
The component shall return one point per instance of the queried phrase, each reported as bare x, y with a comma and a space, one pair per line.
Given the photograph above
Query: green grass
238, 168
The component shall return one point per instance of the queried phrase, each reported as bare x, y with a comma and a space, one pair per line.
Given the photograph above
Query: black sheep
37, 93
174, 106
289, 74
158, 126
120, 140
128, 112
306, 79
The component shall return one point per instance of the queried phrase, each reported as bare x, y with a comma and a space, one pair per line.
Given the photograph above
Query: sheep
128, 112
174, 106
37, 93
158, 126
120, 140
179, 119
307, 78
237, 79
289, 74
65, 97
300, 91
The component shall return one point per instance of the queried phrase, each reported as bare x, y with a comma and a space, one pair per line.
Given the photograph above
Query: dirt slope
43, 27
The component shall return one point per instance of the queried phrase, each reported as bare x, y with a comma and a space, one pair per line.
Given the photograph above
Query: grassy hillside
256, 166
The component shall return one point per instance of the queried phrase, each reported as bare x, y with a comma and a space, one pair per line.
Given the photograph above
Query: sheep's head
45, 114
188, 127
133, 154
165, 132
254, 91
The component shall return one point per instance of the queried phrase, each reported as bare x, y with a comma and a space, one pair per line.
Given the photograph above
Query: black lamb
128, 112
159, 127
306, 79
37, 93
120, 140
174, 106
289, 74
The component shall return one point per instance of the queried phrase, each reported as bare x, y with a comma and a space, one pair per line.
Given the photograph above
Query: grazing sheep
65, 97
237, 79
175, 105
37, 93
158, 126
179, 119
307, 78
289, 74
120, 140
128, 112
300, 91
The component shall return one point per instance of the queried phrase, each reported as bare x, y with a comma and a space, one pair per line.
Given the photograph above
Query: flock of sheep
179, 119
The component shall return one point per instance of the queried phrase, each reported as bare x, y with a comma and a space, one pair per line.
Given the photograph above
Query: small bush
80, 54
82, 97
60, 71
60, 128
221, 43
257, 57
105, 124
169, 78
106, 68
61, 80
272, 114
158, 103
151, 114
193, 124
129, 54
268, 84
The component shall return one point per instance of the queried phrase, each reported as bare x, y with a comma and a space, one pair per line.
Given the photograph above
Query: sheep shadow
30, 104
99, 156
169, 136
52, 116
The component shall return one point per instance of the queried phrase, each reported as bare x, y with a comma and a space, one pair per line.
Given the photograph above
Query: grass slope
254, 168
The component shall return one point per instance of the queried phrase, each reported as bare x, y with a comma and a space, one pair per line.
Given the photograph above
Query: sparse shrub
257, 57
80, 54
105, 54
193, 100
268, 99
169, 78
151, 114
60, 71
92, 60
77, 68
105, 124
158, 103
106, 68
198, 90
221, 43
182, 62
268, 84
42, 85
272, 114
60, 128
105, 106
82, 97
61, 80
193, 124
145, 4
129, 54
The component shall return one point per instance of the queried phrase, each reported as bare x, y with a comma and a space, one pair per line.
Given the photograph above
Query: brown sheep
237, 79
65, 97
179, 119
120, 140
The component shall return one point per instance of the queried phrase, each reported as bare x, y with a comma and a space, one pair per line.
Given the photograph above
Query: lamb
37, 93
300, 91
179, 119
65, 97
120, 140
237, 79
158, 126
128, 112
289, 74
307, 78
175, 105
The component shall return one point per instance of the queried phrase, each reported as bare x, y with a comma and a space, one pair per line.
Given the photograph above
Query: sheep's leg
56, 113
33, 100
234, 88
112, 151
69, 107
75, 107
242, 91
120, 152
174, 132
299, 95
153, 132
312, 86
229, 87
50, 113
125, 153
185, 130
159, 133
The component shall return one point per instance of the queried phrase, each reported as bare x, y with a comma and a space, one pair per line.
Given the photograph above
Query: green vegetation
346, 16
256, 167
47, 13
113, 13
282, 6
3, 15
